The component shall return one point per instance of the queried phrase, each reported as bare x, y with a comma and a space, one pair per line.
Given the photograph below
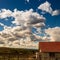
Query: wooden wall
49, 56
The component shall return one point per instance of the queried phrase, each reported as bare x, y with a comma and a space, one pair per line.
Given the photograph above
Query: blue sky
51, 21
19, 17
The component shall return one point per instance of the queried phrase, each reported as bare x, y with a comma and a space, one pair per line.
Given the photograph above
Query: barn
49, 50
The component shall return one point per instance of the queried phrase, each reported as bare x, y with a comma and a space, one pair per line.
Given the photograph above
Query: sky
24, 23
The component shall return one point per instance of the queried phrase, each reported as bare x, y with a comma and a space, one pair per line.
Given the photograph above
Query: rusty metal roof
49, 46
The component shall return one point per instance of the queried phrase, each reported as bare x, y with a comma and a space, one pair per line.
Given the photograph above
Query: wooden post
9, 56
18, 56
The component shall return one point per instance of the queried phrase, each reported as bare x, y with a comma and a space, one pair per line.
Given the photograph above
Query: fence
5, 56
17, 54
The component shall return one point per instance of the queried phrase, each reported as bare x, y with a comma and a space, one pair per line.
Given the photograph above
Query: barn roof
49, 46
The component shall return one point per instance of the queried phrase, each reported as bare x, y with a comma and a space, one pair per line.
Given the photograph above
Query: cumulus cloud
20, 35
27, 18
5, 13
46, 7
56, 12
23, 18
54, 33
16, 38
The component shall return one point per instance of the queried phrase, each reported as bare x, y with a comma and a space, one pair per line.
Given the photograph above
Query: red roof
49, 46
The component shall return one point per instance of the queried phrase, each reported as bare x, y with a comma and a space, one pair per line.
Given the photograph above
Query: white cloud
5, 13
23, 18
46, 7
16, 38
27, 17
54, 33
20, 35
56, 12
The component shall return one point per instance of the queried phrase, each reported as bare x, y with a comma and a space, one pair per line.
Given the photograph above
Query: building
49, 50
